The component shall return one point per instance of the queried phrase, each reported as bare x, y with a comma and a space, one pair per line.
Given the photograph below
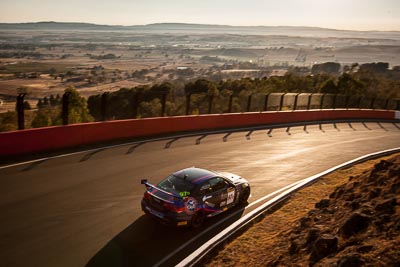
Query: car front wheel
245, 195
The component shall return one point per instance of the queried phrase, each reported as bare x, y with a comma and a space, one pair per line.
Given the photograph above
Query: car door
215, 193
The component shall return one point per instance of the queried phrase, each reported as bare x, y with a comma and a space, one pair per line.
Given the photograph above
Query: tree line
368, 80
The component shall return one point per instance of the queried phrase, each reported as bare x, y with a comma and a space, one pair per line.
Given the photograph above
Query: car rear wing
149, 186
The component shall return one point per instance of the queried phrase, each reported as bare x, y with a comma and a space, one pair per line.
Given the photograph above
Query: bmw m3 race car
188, 196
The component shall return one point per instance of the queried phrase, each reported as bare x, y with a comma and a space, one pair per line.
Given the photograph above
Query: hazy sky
339, 14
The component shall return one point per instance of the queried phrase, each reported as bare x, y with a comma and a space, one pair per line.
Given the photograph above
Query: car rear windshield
176, 185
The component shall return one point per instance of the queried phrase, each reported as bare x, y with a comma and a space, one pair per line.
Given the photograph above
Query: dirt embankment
356, 224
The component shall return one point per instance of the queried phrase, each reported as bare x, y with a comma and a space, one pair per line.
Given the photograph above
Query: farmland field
47, 60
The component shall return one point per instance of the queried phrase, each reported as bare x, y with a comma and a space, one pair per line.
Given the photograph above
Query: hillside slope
358, 224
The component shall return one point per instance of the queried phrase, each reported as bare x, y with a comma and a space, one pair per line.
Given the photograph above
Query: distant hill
51, 25
201, 29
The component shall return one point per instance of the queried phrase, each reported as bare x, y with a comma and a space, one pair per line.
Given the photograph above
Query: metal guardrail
210, 245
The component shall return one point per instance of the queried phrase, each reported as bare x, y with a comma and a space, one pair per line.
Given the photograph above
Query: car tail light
146, 196
174, 208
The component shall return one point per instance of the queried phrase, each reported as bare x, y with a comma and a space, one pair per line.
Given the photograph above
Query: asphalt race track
84, 209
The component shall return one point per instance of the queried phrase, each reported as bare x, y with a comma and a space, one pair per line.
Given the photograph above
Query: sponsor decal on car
209, 204
206, 197
190, 205
223, 196
205, 187
231, 196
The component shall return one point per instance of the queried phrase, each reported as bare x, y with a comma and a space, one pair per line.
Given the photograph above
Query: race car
189, 196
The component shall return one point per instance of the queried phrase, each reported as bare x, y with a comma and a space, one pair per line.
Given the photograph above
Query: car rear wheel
198, 219
245, 195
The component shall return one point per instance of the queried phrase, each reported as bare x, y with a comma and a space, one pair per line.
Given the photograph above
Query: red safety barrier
53, 138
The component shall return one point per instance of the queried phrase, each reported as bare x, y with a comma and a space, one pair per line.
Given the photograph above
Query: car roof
195, 175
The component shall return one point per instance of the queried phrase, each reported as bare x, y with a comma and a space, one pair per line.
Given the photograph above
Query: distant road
86, 207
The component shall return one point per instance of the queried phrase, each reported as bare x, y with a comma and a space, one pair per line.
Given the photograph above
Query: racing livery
188, 196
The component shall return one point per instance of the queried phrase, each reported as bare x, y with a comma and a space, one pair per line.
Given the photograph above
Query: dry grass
262, 242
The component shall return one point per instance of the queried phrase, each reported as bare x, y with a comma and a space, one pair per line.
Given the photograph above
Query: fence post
104, 100
321, 104
309, 101
295, 101
249, 103
136, 100
65, 108
210, 102
281, 101
188, 104
347, 101
266, 102
372, 103
163, 104
230, 104
359, 102
386, 103
334, 101
20, 111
